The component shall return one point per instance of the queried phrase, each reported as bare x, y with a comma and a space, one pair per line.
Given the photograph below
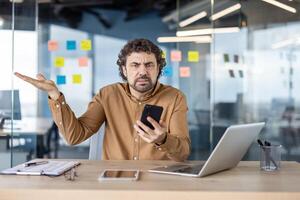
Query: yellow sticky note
193, 56
164, 54
59, 62
77, 78
86, 45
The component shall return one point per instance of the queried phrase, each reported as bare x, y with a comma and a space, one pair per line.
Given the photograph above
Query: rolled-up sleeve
76, 130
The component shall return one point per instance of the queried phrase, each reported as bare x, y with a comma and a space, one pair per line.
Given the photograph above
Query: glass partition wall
240, 67
19, 140
248, 73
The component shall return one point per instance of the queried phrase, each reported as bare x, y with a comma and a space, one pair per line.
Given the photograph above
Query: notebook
49, 168
227, 154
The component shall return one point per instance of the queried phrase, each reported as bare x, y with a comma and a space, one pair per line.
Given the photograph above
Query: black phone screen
119, 174
154, 112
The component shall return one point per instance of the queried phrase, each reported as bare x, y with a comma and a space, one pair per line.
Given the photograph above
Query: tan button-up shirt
119, 110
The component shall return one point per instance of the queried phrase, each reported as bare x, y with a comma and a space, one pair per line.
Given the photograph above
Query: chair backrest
96, 142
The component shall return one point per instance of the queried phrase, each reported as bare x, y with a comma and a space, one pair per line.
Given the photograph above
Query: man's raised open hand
42, 83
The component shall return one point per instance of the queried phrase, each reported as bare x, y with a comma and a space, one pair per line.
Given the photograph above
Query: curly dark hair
140, 45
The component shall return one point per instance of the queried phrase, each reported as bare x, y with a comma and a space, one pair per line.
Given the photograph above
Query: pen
35, 163
267, 152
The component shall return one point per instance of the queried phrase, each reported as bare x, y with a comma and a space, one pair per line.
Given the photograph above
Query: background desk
35, 128
243, 182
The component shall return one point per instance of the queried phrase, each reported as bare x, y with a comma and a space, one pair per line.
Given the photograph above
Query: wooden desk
243, 182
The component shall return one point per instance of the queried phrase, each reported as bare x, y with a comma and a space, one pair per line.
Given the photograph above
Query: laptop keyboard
194, 169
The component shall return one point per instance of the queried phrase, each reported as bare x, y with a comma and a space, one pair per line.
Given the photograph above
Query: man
120, 105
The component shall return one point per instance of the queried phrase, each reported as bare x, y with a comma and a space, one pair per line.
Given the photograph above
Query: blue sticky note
71, 45
168, 71
60, 80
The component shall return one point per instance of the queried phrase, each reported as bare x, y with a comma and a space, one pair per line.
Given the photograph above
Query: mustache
144, 77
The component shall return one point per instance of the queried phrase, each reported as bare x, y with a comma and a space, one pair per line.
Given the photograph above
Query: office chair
96, 142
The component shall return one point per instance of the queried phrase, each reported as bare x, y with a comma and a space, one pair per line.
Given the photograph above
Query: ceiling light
16, 1
192, 19
281, 5
198, 39
226, 11
207, 31
286, 43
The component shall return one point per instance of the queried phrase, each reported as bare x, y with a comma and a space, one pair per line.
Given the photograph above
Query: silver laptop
227, 154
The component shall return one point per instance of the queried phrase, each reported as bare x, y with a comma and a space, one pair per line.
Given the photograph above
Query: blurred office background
236, 62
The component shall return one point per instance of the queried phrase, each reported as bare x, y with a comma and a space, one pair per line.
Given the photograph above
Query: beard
142, 84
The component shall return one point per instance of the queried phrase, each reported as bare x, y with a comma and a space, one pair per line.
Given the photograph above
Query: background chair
96, 142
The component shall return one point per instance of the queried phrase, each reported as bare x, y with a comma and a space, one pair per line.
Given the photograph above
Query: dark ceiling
71, 12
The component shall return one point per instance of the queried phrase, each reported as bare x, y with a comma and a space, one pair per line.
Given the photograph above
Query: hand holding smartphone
152, 111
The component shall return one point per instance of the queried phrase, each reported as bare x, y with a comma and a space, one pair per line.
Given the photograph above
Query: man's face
141, 71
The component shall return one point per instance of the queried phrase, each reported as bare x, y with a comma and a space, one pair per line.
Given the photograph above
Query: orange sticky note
52, 45
176, 56
83, 61
59, 62
184, 72
86, 45
76, 78
193, 56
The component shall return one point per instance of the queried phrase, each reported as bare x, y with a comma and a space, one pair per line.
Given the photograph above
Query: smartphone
118, 174
152, 111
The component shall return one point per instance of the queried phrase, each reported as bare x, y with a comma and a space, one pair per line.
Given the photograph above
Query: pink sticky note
52, 45
83, 61
184, 72
175, 56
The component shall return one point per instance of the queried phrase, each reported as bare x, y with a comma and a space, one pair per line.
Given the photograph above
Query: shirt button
63, 103
57, 105
134, 158
136, 140
140, 103
159, 148
60, 123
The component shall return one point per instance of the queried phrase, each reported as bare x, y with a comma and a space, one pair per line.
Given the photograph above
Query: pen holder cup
270, 157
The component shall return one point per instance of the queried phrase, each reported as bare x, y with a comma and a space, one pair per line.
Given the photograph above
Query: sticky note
184, 72
241, 73
60, 79
59, 62
77, 78
236, 58
226, 57
52, 45
86, 45
231, 73
164, 54
168, 71
193, 56
175, 56
71, 45
83, 61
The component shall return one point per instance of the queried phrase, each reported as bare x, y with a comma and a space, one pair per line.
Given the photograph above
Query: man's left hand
157, 135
